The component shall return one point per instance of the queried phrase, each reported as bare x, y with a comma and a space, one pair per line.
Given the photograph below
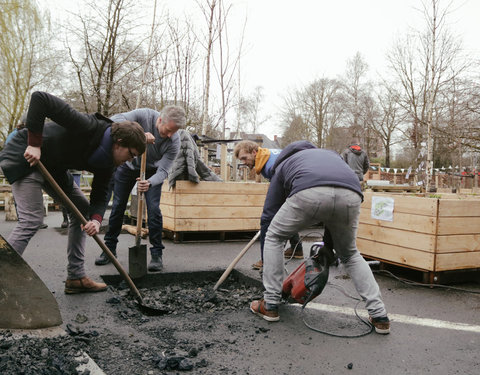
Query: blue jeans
125, 179
338, 209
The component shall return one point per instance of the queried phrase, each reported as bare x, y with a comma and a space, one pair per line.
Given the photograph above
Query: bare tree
425, 64
388, 118
355, 87
250, 110
317, 107
208, 8
109, 57
28, 59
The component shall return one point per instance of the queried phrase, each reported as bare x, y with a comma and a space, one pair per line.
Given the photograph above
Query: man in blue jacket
73, 140
311, 185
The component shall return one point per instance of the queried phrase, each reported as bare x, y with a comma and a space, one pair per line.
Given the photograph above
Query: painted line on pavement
397, 318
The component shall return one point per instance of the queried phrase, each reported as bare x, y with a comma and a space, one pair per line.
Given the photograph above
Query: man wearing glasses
163, 146
73, 140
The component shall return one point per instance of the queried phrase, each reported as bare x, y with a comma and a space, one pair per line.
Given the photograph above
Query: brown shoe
83, 285
258, 265
298, 253
381, 324
258, 307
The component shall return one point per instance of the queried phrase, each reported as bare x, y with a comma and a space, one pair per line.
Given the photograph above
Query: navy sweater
302, 166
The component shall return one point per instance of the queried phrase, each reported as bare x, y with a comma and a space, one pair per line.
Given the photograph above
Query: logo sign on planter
382, 208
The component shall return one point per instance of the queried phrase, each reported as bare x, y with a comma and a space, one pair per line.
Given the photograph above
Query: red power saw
309, 279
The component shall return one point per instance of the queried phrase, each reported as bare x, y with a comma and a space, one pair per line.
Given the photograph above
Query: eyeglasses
131, 154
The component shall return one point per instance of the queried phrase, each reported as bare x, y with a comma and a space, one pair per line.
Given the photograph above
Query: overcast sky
290, 43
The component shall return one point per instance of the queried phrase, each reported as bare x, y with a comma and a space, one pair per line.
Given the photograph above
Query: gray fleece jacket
162, 153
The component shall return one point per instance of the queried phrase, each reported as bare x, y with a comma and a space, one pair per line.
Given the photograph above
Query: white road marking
397, 318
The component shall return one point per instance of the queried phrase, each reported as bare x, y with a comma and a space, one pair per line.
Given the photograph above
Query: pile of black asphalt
183, 340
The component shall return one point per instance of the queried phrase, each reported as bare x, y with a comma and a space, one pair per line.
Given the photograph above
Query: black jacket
66, 144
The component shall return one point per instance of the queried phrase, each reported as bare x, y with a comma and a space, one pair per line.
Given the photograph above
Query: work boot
297, 253
156, 263
83, 285
103, 259
266, 311
258, 265
381, 324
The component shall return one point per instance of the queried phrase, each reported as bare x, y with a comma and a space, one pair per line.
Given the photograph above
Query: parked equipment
308, 280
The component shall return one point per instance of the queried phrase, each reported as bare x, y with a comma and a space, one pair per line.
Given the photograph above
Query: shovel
235, 261
67, 202
25, 301
137, 255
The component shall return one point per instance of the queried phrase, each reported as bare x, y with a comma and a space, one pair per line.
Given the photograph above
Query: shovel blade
137, 261
25, 301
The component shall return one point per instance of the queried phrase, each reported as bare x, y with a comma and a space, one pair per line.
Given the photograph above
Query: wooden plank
396, 237
404, 221
458, 225
167, 210
396, 188
202, 224
196, 212
406, 204
209, 187
169, 223
459, 207
458, 243
182, 212
217, 200
401, 255
457, 261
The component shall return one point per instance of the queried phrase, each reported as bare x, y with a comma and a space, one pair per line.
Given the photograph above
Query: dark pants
125, 179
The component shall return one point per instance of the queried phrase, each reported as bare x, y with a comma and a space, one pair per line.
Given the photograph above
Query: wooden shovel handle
67, 202
141, 199
235, 261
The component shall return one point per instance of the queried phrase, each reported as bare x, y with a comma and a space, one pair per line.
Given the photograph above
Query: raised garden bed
434, 234
212, 206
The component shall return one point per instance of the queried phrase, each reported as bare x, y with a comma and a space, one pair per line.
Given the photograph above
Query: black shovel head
137, 261
25, 301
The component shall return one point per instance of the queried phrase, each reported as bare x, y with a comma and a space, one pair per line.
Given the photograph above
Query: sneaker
103, 259
83, 285
259, 308
64, 224
156, 263
381, 324
258, 265
297, 255
43, 226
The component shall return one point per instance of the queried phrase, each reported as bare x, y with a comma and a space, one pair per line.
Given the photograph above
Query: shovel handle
67, 202
141, 199
235, 261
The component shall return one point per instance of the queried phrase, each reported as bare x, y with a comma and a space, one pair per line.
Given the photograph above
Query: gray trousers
29, 199
338, 209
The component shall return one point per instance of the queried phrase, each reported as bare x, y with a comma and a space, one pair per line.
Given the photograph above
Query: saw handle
67, 202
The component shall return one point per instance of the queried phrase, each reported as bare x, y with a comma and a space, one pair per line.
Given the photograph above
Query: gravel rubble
197, 335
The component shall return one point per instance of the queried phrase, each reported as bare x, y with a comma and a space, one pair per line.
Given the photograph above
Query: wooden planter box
428, 234
212, 206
